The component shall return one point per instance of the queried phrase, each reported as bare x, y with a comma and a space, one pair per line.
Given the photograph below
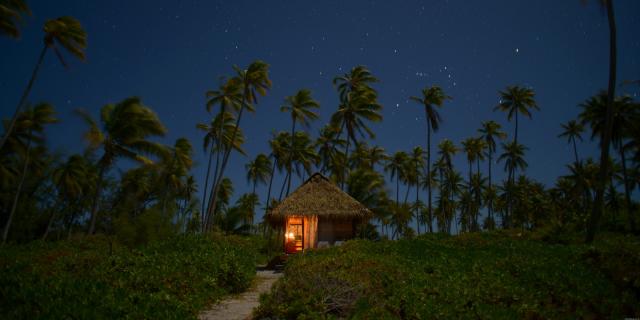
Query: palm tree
326, 144
276, 155
396, 166
30, 126
432, 98
489, 132
517, 100
625, 117
299, 106
357, 78
417, 159
70, 180
255, 82
65, 32
258, 170
218, 136
608, 127
125, 129
174, 167
514, 158
11, 12
572, 130
358, 102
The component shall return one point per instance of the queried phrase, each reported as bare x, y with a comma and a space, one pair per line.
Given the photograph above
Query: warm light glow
290, 235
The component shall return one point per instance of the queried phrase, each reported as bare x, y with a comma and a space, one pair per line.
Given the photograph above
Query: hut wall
332, 230
310, 231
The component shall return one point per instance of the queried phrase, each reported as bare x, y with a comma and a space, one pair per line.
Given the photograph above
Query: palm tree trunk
206, 180
515, 139
417, 199
268, 201
490, 205
96, 199
51, 219
225, 159
283, 185
429, 170
627, 191
207, 216
7, 226
23, 99
293, 128
346, 162
575, 150
406, 194
598, 206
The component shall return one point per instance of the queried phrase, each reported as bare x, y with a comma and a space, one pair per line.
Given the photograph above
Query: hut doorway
294, 235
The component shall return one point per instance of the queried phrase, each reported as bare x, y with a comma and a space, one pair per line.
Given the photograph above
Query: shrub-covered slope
93, 278
486, 276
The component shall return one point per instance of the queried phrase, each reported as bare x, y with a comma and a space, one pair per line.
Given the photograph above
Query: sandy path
240, 307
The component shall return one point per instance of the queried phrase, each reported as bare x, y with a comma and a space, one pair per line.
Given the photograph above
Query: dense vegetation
97, 278
495, 275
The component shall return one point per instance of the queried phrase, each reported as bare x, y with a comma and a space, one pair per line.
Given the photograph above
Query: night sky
170, 52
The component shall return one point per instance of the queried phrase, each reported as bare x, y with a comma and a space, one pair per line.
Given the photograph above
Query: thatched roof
318, 196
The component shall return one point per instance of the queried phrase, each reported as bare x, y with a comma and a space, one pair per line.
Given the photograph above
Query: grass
502, 275
94, 278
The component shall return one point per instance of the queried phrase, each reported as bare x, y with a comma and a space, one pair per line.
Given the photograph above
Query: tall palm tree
605, 142
572, 130
276, 155
516, 100
126, 126
65, 32
396, 167
30, 126
300, 107
70, 181
255, 82
417, 160
513, 157
357, 78
174, 169
326, 144
11, 12
489, 132
626, 115
432, 98
258, 170
217, 137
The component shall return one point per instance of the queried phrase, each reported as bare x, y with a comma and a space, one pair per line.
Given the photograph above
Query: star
517, 50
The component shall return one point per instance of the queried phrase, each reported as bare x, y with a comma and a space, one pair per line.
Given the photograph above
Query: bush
488, 275
95, 278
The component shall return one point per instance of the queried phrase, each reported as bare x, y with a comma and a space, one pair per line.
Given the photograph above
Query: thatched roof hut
317, 212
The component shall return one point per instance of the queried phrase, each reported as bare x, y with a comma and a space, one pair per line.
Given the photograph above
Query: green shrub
503, 275
94, 278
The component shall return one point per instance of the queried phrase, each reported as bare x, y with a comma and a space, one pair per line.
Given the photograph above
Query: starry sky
170, 52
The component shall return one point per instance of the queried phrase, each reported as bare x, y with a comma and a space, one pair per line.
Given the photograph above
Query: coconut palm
70, 179
29, 128
513, 157
277, 154
572, 130
326, 144
174, 168
215, 141
11, 12
432, 98
608, 125
258, 170
126, 126
416, 166
396, 166
357, 78
255, 82
65, 32
626, 115
300, 107
516, 100
489, 132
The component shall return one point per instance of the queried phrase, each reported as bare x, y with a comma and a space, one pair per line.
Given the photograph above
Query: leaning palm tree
30, 127
65, 32
572, 130
516, 100
432, 98
11, 12
126, 126
255, 82
300, 107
